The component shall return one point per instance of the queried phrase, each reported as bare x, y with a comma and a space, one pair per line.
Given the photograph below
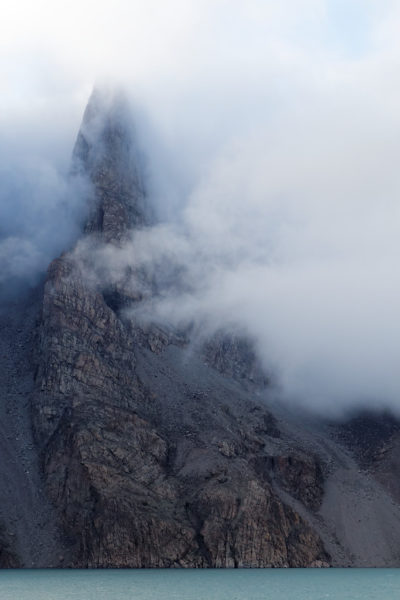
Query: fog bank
271, 134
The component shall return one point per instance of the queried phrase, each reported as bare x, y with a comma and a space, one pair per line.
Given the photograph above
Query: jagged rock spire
106, 152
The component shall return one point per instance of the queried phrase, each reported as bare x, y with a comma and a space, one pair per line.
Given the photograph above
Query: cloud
271, 131
41, 213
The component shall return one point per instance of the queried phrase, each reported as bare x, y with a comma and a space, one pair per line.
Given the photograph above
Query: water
160, 584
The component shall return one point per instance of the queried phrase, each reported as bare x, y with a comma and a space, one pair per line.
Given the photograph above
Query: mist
271, 135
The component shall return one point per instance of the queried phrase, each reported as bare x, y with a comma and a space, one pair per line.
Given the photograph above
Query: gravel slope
359, 521
27, 518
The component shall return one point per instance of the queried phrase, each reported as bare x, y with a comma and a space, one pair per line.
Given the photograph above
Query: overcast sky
272, 131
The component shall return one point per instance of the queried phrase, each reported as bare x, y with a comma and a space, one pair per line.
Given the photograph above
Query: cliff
147, 450
152, 460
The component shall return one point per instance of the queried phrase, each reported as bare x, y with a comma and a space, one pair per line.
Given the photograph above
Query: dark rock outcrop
151, 449
104, 151
149, 467
234, 356
138, 487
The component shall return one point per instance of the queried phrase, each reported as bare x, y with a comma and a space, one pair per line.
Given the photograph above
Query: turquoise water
159, 584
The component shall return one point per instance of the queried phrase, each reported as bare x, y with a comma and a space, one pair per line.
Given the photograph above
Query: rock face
234, 356
105, 152
147, 466
152, 451
138, 483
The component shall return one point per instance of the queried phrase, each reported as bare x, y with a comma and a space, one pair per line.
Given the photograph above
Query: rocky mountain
126, 445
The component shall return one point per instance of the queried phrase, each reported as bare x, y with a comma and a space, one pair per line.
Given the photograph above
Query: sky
272, 136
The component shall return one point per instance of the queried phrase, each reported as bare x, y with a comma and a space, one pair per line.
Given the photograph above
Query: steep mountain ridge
149, 450
162, 475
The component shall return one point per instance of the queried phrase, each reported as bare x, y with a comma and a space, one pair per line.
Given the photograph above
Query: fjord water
206, 584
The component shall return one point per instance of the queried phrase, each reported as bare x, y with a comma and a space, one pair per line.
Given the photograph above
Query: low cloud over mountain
270, 137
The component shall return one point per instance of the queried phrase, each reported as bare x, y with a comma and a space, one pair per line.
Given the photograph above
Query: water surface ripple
201, 584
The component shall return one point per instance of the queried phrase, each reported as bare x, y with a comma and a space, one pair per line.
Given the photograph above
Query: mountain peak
106, 152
